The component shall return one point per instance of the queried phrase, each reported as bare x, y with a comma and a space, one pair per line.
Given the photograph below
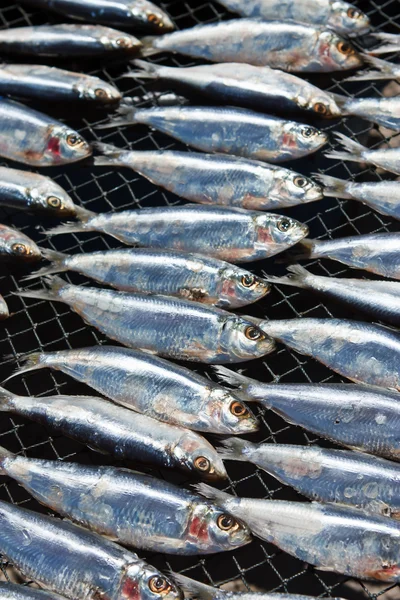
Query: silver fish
244, 85
282, 45
40, 82
152, 386
341, 16
378, 298
376, 252
216, 179
335, 538
390, 42
385, 158
33, 138
77, 563
4, 312
325, 475
68, 40
382, 111
187, 276
382, 69
236, 131
360, 417
13, 591
15, 245
230, 234
162, 325
114, 430
128, 507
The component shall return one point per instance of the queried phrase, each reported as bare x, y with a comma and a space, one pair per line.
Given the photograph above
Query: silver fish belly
16, 246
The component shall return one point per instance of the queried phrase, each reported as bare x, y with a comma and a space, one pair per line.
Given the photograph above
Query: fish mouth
315, 193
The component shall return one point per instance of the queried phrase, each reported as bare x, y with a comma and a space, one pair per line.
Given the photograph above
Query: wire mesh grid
39, 325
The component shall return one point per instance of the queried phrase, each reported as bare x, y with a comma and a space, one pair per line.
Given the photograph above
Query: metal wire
39, 325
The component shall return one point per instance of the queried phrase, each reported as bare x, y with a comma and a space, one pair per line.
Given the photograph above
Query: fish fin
55, 284
147, 48
147, 70
124, 115
6, 398
112, 154
29, 362
194, 588
3, 455
211, 493
234, 449
69, 227
334, 186
56, 265
84, 214
296, 278
353, 151
304, 249
384, 70
232, 377
384, 49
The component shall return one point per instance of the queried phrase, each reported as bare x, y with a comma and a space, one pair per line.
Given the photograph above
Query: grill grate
39, 325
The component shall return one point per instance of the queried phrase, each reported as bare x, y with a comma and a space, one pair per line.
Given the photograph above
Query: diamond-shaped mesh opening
39, 325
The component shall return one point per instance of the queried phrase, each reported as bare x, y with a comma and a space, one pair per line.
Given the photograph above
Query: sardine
215, 179
4, 312
378, 298
223, 130
128, 507
187, 276
281, 45
375, 252
325, 475
139, 14
381, 111
385, 158
114, 430
13, 591
360, 417
382, 69
230, 234
152, 386
162, 325
244, 85
40, 82
68, 40
341, 16
15, 245
390, 42
333, 538
77, 563
33, 138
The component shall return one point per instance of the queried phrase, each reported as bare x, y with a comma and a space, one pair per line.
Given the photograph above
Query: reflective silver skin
382, 111
77, 563
4, 312
385, 158
12, 591
15, 245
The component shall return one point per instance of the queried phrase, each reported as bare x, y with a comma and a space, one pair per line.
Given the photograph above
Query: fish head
212, 529
243, 340
118, 40
151, 17
237, 287
99, 91
279, 232
64, 145
18, 246
324, 105
347, 19
337, 53
194, 454
49, 196
229, 413
302, 139
296, 188
141, 581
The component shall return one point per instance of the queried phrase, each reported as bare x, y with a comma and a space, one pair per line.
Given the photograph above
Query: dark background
39, 325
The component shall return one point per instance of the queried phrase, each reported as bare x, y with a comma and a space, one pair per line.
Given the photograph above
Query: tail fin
29, 362
241, 383
55, 285
235, 449
68, 228
305, 249
385, 70
391, 43
6, 398
112, 154
353, 150
57, 259
212, 493
4, 454
124, 115
385, 49
195, 589
147, 70
297, 277
334, 186
147, 48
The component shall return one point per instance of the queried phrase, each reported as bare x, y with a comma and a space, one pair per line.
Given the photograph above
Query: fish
390, 42
380, 299
137, 14
161, 517
4, 312
122, 433
244, 85
227, 130
13, 591
173, 328
187, 276
375, 252
382, 69
152, 386
382, 196
292, 47
381, 111
384, 158
230, 234
32, 138
215, 179
359, 417
40, 82
77, 563
16, 246
343, 17
68, 40
333, 538
325, 475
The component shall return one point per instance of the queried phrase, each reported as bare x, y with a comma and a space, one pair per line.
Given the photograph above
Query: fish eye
74, 140
321, 108
226, 523
123, 42
344, 48
284, 225
159, 585
100, 93
299, 182
308, 132
238, 409
248, 280
54, 202
253, 334
202, 464
353, 13
20, 249
152, 18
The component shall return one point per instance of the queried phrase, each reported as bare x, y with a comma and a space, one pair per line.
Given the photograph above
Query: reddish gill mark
130, 589
198, 529
53, 146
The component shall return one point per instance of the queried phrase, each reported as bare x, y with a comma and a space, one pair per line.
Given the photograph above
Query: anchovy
341, 16
378, 298
385, 158
382, 111
335, 538
172, 328
125, 434
4, 312
15, 245
244, 85
152, 386
223, 130
376, 252
360, 417
40, 82
225, 233
282, 45
139, 14
68, 40
128, 507
325, 475
77, 563
33, 138
216, 179
187, 276
382, 69
13, 591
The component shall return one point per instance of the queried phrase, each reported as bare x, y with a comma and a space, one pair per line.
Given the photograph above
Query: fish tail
68, 228
235, 379
212, 493
147, 48
147, 70
334, 186
29, 362
112, 154
124, 115
194, 588
385, 70
6, 398
4, 453
55, 285
296, 278
57, 259
305, 249
234, 449
385, 49
353, 151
